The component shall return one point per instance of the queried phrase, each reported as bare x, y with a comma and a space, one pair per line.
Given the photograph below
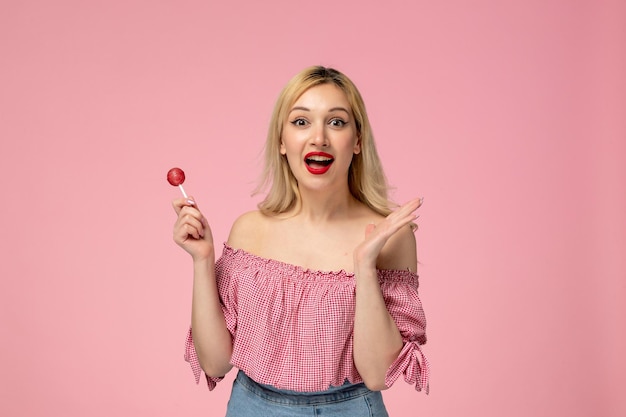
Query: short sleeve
227, 291
400, 291
192, 358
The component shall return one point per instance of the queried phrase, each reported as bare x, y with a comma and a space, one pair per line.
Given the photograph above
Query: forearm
212, 340
377, 340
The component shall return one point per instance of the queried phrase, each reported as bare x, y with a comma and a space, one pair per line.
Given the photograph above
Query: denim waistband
286, 397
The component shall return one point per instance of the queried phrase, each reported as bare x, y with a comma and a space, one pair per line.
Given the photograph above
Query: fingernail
191, 202
421, 200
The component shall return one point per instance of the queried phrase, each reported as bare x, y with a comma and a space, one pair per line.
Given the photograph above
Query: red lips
318, 163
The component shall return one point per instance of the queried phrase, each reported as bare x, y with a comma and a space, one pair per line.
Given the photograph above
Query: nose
319, 136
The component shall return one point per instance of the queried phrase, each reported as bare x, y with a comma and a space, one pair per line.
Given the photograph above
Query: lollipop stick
182, 190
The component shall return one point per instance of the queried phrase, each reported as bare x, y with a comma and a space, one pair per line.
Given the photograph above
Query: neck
320, 206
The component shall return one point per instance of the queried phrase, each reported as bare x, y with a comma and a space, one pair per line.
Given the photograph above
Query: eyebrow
329, 111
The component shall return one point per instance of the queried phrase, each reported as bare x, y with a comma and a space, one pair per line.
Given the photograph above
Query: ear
283, 150
357, 146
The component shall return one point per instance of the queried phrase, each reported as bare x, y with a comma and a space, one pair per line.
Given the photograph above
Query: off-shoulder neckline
305, 270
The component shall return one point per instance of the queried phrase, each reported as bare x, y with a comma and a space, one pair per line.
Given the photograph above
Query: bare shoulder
400, 251
247, 230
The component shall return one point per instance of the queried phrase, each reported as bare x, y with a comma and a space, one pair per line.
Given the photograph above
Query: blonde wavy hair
366, 179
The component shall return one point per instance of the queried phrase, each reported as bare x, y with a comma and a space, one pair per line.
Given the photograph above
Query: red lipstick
318, 163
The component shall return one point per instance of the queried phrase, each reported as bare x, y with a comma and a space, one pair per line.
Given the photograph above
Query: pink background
508, 117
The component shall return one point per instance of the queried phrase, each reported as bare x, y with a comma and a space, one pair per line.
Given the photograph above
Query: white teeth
319, 158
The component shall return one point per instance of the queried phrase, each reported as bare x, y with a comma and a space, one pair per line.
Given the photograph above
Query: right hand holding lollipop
191, 231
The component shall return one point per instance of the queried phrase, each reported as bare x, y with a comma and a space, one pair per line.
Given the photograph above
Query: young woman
314, 298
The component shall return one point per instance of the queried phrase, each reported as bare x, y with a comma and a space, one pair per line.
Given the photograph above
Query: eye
299, 122
337, 122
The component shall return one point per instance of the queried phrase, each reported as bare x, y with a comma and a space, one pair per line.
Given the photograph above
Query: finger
184, 231
407, 210
190, 211
179, 203
399, 218
187, 213
192, 222
192, 231
411, 205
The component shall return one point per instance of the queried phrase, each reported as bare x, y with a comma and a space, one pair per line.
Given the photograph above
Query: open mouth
318, 162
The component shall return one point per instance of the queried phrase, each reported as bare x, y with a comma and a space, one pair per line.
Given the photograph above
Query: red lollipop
176, 176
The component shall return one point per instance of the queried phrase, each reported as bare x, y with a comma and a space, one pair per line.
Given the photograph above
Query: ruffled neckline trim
341, 274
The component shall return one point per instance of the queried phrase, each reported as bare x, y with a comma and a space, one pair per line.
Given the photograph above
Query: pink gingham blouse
292, 327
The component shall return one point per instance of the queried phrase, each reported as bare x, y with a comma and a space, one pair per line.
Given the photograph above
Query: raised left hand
377, 235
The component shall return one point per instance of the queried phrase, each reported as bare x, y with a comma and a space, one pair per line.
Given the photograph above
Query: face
319, 137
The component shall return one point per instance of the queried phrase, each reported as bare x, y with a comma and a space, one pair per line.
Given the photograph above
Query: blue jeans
250, 399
